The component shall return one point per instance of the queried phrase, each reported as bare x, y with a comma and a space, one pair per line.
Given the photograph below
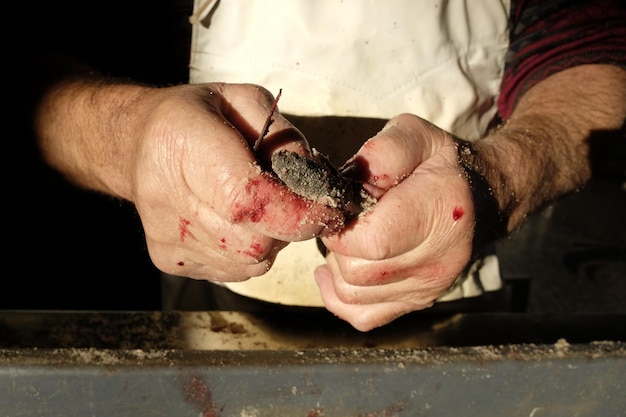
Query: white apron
439, 59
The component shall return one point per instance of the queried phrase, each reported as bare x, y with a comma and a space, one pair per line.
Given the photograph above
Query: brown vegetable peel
315, 177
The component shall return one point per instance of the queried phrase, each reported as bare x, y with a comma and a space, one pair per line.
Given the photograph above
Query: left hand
409, 248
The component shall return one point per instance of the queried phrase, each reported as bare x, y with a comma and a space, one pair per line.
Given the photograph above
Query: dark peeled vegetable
316, 178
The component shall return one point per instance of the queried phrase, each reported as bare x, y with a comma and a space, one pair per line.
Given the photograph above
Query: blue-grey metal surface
526, 381
228, 364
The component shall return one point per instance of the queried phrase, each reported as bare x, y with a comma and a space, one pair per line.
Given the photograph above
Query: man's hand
408, 249
183, 156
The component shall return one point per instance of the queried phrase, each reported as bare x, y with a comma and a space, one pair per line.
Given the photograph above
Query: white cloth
439, 59
442, 60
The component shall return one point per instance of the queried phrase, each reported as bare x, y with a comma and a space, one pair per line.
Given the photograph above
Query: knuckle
365, 320
259, 93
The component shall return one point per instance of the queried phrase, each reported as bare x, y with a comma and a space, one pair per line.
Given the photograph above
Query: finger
206, 238
363, 317
409, 277
207, 266
236, 243
403, 144
248, 107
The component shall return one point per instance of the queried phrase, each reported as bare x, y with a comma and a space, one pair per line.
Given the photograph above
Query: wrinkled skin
224, 219
407, 250
211, 210
227, 221
183, 156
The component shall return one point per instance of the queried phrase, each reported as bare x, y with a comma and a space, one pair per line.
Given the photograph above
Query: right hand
208, 210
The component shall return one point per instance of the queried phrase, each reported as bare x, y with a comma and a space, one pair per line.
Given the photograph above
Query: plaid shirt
550, 36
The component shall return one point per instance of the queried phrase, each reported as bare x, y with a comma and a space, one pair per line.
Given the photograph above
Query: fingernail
321, 273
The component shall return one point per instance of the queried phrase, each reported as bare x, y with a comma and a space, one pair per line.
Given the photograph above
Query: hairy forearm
542, 151
86, 126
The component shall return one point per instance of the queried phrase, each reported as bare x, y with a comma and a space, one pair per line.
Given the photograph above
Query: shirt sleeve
550, 36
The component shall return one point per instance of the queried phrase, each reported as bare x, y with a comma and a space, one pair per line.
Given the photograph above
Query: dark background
76, 249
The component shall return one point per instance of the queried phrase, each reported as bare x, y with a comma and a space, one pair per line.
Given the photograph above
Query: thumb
394, 153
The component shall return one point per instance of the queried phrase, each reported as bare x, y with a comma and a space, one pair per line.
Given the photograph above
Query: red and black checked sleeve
550, 36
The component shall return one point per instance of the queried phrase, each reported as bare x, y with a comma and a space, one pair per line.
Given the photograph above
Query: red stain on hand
457, 213
222, 244
183, 228
255, 250
377, 179
260, 193
380, 278
369, 145
254, 210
